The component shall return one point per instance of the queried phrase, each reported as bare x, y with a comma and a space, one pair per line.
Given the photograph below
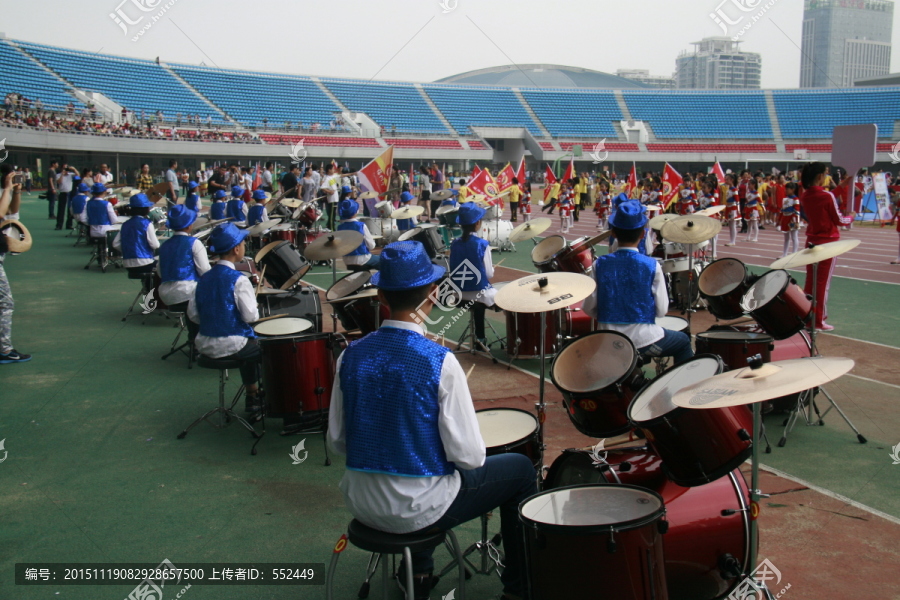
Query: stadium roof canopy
544, 76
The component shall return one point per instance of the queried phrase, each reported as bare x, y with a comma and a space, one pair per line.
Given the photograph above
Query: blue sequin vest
217, 210
219, 314
134, 238
97, 213
390, 380
77, 204
472, 250
235, 210
192, 201
355, 226
625, 288
176, 259
256, 214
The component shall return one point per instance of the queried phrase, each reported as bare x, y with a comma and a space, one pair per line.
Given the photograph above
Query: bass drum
708, 543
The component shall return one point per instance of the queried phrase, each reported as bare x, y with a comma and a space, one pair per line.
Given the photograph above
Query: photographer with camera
10, 199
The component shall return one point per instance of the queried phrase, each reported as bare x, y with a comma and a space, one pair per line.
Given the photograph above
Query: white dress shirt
131, 263
640, 334
399, 504
176, 292
333, 183
361, 259
100, 230
245, 299
485, 296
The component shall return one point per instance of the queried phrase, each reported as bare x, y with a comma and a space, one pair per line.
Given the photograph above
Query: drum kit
665, 505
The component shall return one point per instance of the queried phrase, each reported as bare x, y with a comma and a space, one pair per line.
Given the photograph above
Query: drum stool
380, 543
188, 346
100, 253
469, 334
146, 286
82, 230
223, 364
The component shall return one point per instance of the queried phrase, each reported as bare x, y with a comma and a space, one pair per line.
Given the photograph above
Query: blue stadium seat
815, 113
468, 107
391, 105
575, 113
702, 114
23, 76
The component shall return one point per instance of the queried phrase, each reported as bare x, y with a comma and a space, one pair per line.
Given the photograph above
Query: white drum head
655, 400
764, 290
722, 276
283, 326
502, 426
283, 227
672, 323
593, 362
591, 505
546, 249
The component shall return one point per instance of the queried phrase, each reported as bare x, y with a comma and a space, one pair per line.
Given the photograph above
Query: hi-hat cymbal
530, 229
292, 202
809, 256
367, 195
442, 195
260, 228
446, 209
771, 380
18, 242
559, 290
691, 229
659, 220
333, 245
712, 210
408, 212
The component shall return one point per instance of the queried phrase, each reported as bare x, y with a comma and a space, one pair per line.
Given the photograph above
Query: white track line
843, 337
873, 380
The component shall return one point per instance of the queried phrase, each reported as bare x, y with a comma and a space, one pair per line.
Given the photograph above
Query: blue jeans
505, 480
374, 262
674, 343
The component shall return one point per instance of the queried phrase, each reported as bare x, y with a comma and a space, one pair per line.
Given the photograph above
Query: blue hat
348, 209
83, 187
346, 189
180, 217
140, 201
192, 185
405, 265
237, 191
620, 199
225, 237
470, 213
98, 188
260, 195
219, 195
406, 197
76, 178
629, 215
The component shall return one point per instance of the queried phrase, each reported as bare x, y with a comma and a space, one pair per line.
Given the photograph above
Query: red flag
475, 171
483, 184
570, 171
374, 176
505, 177
671, 181
549, 181
719, 172
632, 181
520, 173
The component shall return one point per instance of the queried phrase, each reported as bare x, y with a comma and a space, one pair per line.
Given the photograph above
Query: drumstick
499, 263
470, 372
260, 282
269, 318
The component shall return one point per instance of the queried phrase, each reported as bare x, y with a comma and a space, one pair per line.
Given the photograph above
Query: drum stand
808, 396
487, 548
473, 341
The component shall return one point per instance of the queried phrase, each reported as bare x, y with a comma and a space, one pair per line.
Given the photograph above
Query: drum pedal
729, 566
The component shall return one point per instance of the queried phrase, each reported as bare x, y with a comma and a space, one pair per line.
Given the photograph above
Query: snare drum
429, 236
354, 301
386, 228
778, 304
696, 446
735, 347
708, 525
674, 324
385, 208
298, 373
668, 250
576, 322
302, 302
589, 541
722, 284
506, 430
285, 232
285, 326
544, 253
577, 258
598, 375
675, 265
523, 334
284, 265
308, 216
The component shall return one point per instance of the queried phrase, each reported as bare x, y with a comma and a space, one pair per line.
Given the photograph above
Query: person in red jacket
821, 211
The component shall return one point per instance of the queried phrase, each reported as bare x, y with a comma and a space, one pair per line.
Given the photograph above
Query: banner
570, 172
505, 177
520, 173
484, 184
632, 181
882, 197
671, 181
549, 181
374, 176
719, 172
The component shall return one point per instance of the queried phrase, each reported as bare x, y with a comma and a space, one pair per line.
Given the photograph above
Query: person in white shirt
631, 291
104, 176
402, 414
267, 178
137, 239
100, 214
10, 201
331, 188
182, 262
477, 291
361, 256
224, 304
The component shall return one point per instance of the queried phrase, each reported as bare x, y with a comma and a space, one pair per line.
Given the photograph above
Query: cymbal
530, 229
442, 195
446, 209
367, 293
772, 380
292, 202
809, 256
367, 195
526, 295
652, 207
690, 229
333, 245
269, 291
260, 228
17, 243
211, 224
408, 212
659, 220
712, 210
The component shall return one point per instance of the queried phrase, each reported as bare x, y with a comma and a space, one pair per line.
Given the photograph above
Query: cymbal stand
541, 405
690, 287
808, 396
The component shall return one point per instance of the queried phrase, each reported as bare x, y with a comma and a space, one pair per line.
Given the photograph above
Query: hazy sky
415, 40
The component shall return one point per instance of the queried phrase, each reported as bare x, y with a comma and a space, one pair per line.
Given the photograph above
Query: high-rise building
845, 40
644, 76
716, 63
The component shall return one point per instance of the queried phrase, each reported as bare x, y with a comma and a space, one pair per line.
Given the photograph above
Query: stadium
101, 467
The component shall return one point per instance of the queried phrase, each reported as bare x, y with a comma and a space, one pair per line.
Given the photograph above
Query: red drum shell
298, 373
782, 313
523, 334
577, 258
730, 275
735, 347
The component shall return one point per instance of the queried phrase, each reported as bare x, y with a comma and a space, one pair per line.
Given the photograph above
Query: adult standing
144, 179
218, 181
172, 180
267, 178
51, 188
515, 196
10, 200
104, 176
331, 187
823, 215
64, 191
308, 186
289, 182
423, 181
